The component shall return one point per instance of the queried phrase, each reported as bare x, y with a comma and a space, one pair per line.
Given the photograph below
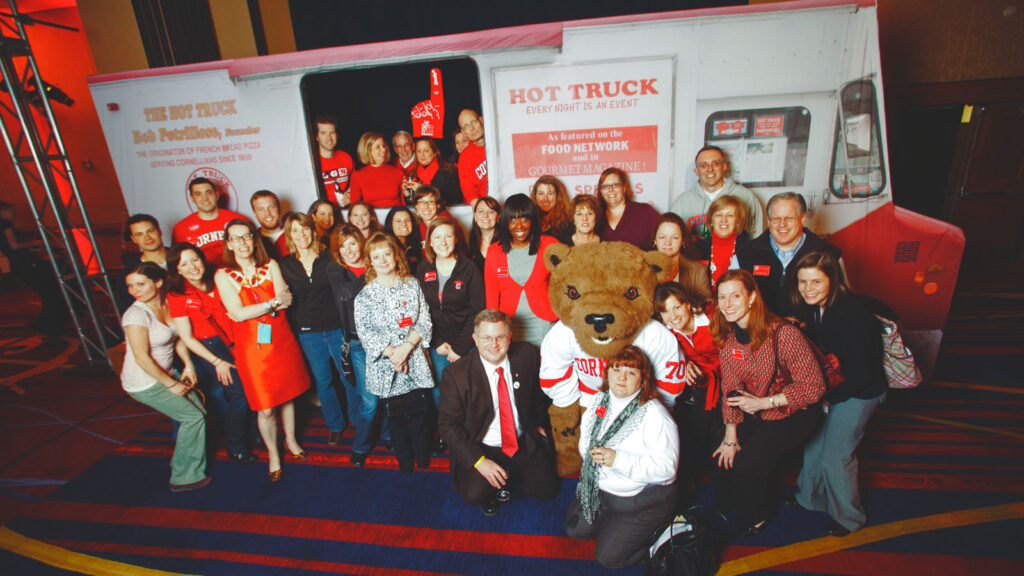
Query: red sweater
380, 186
503, 292
701, 350
473, 172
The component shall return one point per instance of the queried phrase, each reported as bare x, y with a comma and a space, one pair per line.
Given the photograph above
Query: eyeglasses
712, 164
611, 187
242, 238
488, 340
784, 220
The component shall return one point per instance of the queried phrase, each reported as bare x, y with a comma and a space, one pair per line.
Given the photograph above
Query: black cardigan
311, 309
345, 286
463, 299
851, 332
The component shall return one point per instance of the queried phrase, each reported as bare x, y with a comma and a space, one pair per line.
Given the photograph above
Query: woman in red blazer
515, 277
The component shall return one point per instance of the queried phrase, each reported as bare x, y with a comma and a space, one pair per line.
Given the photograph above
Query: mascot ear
660, 264
555, 255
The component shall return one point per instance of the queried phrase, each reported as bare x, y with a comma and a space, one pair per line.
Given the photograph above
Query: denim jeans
320, 348
228, 402
362, 405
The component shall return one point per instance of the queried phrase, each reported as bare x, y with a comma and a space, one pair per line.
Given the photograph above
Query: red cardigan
503, 292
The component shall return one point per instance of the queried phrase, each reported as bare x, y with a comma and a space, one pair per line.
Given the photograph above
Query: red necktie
509, 442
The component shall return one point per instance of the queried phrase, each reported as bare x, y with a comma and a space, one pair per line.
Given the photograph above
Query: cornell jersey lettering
568, 374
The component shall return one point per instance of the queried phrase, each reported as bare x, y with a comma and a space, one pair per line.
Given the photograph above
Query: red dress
272, 373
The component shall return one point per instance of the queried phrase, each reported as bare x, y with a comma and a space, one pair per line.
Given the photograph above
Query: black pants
700, 432
530, 474
625, 526
750, 485
409, 438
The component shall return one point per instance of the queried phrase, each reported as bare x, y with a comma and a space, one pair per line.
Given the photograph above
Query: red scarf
722, 250
426, 175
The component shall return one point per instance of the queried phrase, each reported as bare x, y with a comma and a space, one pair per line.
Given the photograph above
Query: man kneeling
491, 415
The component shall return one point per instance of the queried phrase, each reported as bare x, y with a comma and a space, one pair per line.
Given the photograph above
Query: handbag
828, 363
900, 369
689, 546
406, 405
348, 369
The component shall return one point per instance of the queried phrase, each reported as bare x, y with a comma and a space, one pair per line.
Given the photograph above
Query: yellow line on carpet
829, 544
985, 387
956, 424
68, 560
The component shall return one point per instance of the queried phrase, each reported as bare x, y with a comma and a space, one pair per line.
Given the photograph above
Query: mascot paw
565, 426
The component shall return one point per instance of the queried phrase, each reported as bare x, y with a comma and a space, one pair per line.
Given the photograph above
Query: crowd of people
434, 333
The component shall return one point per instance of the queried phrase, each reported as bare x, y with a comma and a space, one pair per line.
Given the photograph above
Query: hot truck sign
575, 121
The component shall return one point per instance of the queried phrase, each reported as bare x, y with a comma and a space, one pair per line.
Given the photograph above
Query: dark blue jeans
362, 405
320, 349
228, 402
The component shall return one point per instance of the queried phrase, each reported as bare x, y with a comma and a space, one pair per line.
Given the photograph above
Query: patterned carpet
83, 487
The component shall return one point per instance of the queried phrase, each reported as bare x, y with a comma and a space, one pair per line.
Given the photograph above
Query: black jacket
345, 286
462, 300
849, 330
311, 309
758, 258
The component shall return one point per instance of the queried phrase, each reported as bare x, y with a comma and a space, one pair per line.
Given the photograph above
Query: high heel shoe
275, 475
300, 457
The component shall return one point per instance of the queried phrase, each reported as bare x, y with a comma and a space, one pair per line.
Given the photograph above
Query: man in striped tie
492, 416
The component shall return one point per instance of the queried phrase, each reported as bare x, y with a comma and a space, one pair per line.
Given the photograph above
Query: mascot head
604, 292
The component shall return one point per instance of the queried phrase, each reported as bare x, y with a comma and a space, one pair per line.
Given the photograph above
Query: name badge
599, 412
502, 272
430, 277
762, 270
405, 322
263, 333
737, 354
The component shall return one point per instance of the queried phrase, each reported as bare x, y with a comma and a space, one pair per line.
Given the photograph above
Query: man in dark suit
491, 415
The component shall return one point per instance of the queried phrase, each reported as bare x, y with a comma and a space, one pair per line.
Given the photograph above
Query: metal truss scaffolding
44, 170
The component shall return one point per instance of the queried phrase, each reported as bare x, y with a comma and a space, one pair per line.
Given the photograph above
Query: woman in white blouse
393, 323
151, 342
630, 449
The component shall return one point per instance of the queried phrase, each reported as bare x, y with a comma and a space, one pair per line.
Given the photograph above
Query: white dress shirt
647, 455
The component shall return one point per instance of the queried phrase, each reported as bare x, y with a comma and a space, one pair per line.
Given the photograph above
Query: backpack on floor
687, 546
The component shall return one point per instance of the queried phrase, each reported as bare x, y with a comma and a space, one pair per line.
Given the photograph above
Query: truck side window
858, 169
767, 147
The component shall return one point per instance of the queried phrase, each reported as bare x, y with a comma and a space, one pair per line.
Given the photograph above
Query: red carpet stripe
382, 461
942, 450
943, 482
315, 529
983, 350
240, 558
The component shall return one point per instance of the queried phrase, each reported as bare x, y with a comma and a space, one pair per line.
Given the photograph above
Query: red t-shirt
473, 172
380, 186
207, 235
205, 312
335, 172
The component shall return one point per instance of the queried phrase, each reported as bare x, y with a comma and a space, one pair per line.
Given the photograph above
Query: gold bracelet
482, 458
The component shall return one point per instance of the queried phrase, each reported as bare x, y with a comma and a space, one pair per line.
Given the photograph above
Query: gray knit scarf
587, 489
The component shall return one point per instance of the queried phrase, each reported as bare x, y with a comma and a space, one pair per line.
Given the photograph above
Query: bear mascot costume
604, 296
